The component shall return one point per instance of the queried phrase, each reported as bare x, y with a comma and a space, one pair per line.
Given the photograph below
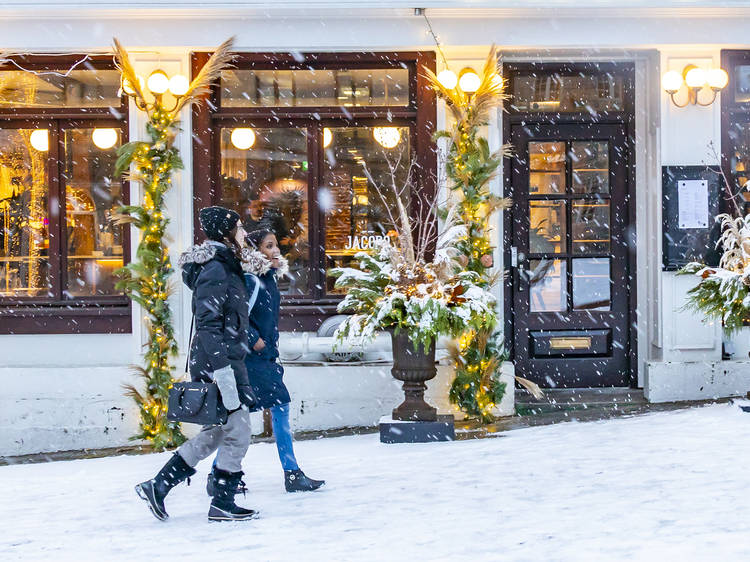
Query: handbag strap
190, 342
254, 296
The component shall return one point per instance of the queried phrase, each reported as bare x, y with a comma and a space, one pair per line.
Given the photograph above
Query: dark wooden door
571, 276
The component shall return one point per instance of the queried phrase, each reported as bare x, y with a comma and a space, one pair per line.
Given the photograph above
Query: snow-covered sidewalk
667, 486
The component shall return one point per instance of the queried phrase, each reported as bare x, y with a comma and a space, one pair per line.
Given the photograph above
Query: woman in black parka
263, 264
213, 272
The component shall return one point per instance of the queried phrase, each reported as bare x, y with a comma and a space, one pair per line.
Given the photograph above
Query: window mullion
316, 220
56, 206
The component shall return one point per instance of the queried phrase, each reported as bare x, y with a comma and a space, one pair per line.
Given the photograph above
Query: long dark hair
255, 238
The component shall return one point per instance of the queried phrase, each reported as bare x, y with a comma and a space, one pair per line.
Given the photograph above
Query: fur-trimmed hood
199, 253
194, 259
256, 263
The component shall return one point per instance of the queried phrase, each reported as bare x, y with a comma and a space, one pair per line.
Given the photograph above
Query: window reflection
547, 226
315, 87
80, 88
591, 284
267, 184
580, 92
24, 235
358, 212
548, 286
91, 196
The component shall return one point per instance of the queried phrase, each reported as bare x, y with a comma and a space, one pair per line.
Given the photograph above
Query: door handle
522, 277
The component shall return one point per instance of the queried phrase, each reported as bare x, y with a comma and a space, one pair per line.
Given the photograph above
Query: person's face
270, 248
256, 209
239, 235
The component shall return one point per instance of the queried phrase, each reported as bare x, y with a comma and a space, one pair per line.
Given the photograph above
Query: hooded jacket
214, 275
264, 372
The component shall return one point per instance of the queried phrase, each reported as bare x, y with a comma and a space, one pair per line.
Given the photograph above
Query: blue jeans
282, 431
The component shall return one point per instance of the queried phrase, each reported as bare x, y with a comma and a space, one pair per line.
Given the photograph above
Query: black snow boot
211, 486
155, 490
223, 507
296, 481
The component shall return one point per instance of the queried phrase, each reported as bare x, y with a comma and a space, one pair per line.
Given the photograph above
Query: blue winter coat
264, 371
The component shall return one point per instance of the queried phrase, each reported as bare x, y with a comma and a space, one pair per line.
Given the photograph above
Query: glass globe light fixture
447, 79
327, 137
695, 78
243, 138
104, 138
158, 82
671, 82
718, 78
40, 140
178, 85
387, 137
469, 81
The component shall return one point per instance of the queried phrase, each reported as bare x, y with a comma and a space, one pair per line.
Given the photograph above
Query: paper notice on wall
692, 203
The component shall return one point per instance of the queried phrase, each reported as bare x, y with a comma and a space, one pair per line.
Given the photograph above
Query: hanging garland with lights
469, 167
146, 279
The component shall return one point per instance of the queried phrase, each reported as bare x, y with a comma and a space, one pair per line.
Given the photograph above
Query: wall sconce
695, 79
158, 83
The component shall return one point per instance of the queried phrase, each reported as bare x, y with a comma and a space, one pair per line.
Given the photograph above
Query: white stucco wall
64, 391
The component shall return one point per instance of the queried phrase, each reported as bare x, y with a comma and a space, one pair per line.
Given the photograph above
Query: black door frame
626, 118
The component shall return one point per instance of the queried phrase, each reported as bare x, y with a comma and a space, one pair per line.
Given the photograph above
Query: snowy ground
667, 486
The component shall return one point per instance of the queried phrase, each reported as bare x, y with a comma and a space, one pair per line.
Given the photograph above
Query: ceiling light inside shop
387, 137
40, 140
243, 138
104, 138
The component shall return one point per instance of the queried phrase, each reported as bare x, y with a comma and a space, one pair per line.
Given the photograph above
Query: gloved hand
224, 379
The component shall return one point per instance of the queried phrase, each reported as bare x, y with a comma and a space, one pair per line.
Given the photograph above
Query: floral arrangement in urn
724, 292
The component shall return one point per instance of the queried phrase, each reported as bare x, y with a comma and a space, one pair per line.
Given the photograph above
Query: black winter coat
263, 369
214, 274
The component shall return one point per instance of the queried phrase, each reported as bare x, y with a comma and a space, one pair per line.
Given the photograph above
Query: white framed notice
692, 204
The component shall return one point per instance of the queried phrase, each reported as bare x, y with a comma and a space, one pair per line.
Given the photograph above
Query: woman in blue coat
263, 264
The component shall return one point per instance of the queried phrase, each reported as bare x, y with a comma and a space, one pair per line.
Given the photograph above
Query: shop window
735, 130
58, 246
308, 146
591, 89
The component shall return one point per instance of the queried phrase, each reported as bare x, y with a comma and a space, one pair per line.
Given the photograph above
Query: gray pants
232, 439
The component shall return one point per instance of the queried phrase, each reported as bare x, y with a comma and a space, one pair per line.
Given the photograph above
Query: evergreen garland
146, 279
469, 168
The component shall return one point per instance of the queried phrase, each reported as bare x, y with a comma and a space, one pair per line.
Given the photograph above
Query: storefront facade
323, 88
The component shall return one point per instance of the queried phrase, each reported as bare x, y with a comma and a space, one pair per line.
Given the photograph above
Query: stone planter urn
413, 366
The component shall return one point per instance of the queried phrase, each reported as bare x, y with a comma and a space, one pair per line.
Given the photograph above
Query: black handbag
196, 402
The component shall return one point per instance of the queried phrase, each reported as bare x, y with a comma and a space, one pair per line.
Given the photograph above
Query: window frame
308, 312
57, 314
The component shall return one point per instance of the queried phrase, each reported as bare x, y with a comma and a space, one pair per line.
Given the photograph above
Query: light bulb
178, 85
243, 138
387, 137
327, 137
158, 82
717, 78
104, 138
671, 81
695, 78
447, 79
469, 81
40, 140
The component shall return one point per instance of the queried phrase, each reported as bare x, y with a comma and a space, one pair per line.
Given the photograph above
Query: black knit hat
217, 222
255, 237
